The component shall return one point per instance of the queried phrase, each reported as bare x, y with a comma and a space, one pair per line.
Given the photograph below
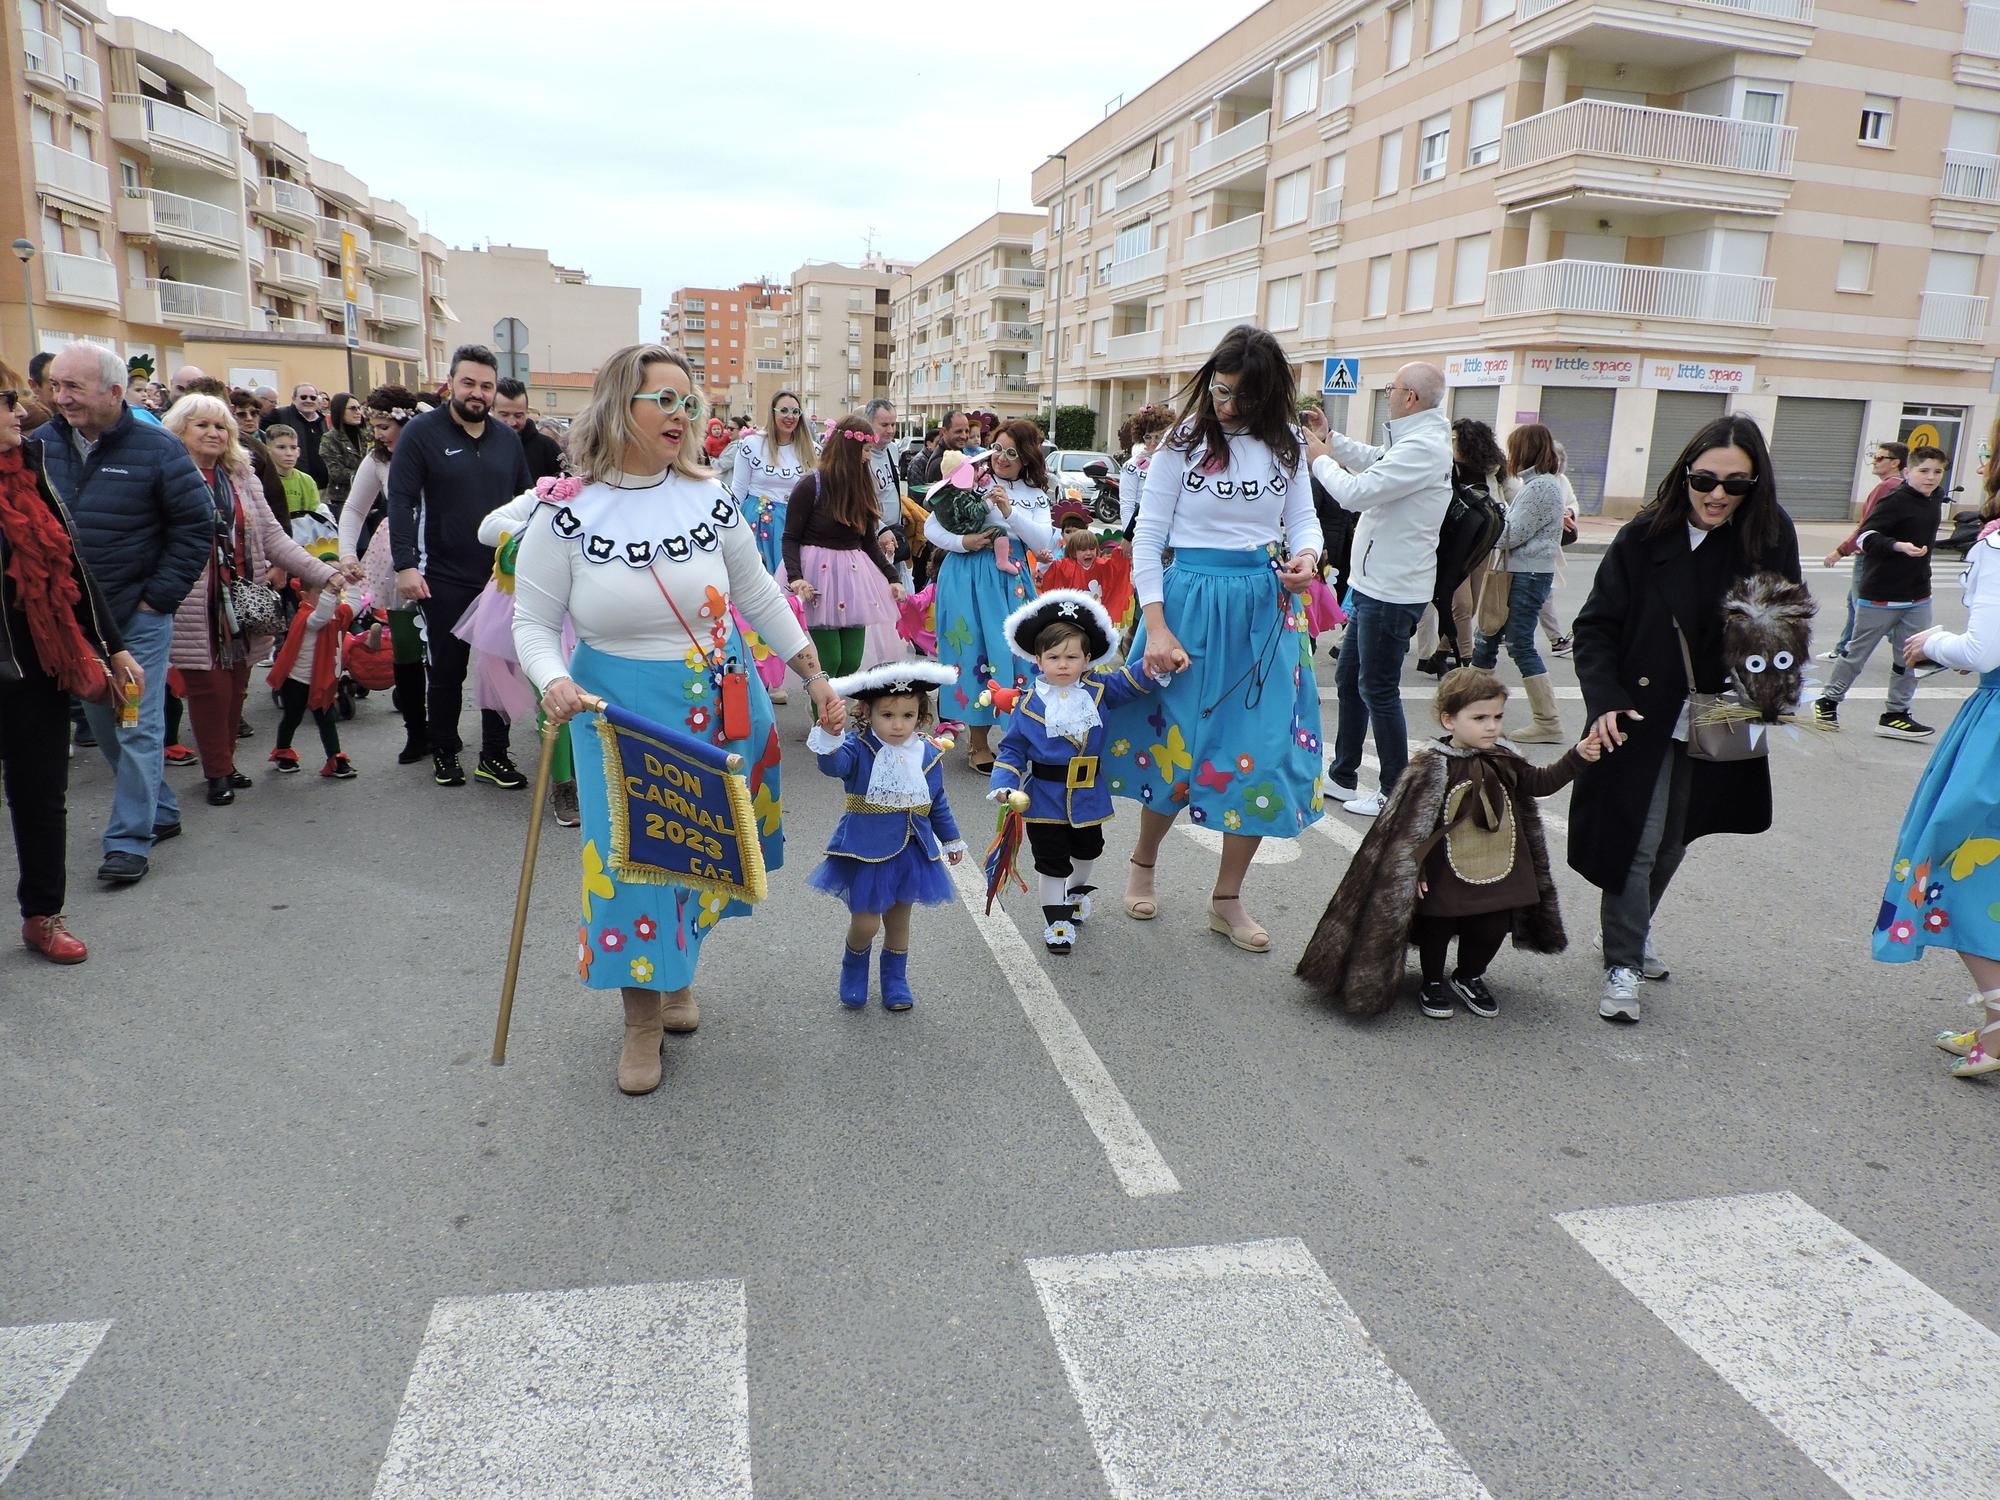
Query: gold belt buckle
1082, 772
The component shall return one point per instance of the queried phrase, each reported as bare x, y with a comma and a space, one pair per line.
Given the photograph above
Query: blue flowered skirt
972, 601
1235, 738
650, 935
767, 519
1944, 882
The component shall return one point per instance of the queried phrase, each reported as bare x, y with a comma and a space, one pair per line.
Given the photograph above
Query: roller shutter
1816, 451
1581, 421
1678, 417
1479, 402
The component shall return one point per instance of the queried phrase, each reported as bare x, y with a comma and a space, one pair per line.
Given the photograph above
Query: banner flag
679, 814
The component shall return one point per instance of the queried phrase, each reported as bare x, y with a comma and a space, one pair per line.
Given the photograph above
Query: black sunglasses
10, 399
1739, 485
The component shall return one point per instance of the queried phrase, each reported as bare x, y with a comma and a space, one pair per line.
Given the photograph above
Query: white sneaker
1368, 805
1651, 965
1621, 995
1833, 656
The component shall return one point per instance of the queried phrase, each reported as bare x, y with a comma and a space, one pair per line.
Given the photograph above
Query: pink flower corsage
557, 491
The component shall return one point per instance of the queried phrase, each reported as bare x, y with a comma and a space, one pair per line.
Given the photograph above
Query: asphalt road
252, 1152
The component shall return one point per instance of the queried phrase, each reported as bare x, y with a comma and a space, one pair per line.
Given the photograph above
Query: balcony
1637, 158
1201, 338
1014, 383
43, 57
1128, 196
270, 322
80, 279
286, 203
438, 284
1242, 148
1020, 334
1592, 289
1127, 346
399, 310
1667, 33
295, 269
1336, 103
1233, 238
398, 260
83, 81
1137, 268
159, 302
330, 230
1326, 217
156, 214
76, 178
1021, 276
153, 125
1951, 318
1978, 59
332, 295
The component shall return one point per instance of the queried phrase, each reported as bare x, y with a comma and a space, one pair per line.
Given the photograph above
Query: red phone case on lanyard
735, 702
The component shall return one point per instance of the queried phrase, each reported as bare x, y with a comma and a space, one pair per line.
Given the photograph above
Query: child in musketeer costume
1052, 749
888, 852
1457, 852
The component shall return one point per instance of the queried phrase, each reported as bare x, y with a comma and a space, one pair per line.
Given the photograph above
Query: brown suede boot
679, 1013
639, 1063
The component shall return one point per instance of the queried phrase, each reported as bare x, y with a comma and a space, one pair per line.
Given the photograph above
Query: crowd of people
162, 546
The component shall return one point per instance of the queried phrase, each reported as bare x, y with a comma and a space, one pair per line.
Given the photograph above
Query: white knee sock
1055, 890
1079, 874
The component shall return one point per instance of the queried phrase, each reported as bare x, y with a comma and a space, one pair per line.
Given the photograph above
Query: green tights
839, 648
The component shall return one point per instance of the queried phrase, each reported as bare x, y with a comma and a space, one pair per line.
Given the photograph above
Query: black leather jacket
93, 615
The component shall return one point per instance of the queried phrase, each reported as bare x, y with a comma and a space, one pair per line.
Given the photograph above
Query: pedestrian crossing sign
1343, 377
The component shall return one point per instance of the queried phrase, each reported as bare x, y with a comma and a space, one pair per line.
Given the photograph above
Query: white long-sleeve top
1028, 521
1132, 484
321, 616
603, 557
1977, 647
1401, 493
371, 478
756, 476
1247, 504
508, 519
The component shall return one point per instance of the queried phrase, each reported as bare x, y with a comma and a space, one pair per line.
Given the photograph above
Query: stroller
367, 660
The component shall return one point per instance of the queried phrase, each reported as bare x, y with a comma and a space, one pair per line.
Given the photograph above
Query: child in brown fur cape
1457, 852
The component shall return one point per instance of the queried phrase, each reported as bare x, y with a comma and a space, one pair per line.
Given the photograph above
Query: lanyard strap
715, 653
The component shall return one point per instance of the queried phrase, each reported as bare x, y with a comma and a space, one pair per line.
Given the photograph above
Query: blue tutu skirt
767, 519
972, 601
635, 933
865, 885
1235, 738
1944, 879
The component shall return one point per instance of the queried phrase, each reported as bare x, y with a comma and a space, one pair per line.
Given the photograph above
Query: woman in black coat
1634, 813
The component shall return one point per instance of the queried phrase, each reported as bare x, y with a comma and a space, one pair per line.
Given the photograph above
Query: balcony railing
295, 268
1232, 143
74, 176
1336, 91
1982, 30
194, 216
1641, 133
1010, 383
1137, 268
43, 56
1020, 276
398, 258
438, 284
1017, 333
183, 127
82, 77
1318, 321
1142, 345
1326, 207
1150, 185
1952, 317
1610, 289
330, 231
333, 294
1201, 338
1226, 239
279, 197
201, 304
398, 309
270, 322
1971, 174
80, 277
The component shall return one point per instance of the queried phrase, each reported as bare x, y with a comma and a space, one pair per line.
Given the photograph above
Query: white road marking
1343, 828
1271, 851
1237, 1370
614, 1393
1877, 1379
1136, 1161
37, 1363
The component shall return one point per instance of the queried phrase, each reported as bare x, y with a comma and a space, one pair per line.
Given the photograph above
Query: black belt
1080, 772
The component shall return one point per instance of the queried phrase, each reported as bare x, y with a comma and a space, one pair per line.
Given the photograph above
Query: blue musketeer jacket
1059, 772
874, 834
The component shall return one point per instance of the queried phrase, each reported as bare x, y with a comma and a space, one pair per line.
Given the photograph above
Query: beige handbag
1495, 592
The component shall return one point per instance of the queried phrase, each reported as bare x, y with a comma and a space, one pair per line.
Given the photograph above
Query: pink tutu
498, 682
915, 622
852, 590
1323, 611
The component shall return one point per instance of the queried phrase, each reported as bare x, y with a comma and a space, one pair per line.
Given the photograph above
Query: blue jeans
1524, 612
1368, 682
141, 799
1847, 630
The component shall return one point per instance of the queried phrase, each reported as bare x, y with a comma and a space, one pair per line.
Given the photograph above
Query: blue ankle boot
896, 981
853, 978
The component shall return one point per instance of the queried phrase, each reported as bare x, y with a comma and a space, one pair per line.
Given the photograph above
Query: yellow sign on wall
1923, 435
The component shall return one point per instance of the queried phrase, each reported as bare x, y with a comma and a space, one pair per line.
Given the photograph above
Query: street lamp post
1062, 223
25, 249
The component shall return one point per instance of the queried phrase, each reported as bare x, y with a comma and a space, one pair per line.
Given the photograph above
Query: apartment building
571, 322
966, 325
733, 337
1619, 217
836, 333
167, 219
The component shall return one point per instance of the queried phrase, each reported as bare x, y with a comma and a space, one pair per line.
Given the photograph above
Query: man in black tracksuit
1892, 596
510, 405
453, 466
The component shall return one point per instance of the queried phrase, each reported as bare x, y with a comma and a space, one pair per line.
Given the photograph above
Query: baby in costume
961, 507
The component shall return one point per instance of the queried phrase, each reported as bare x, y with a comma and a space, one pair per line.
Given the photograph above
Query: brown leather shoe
51, 937
639, 1063
679, 1013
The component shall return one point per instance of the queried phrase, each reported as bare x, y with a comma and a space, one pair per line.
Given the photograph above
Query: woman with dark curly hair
1138, 435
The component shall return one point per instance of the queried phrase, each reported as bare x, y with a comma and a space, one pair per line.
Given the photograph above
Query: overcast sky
657, 144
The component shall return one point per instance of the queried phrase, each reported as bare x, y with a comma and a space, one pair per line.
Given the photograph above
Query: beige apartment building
571, 322
734, 340
836, 334
160, 215
1619, 217
966, 325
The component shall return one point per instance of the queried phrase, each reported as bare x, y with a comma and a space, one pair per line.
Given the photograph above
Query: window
1336, 171
1100, 331
1952, 272
1468, 269
1323, 284
1296, 89
1133, 241
1445, 21
1494, 10
1282, 306
1389, 165
1857, 267
1204, 128
1198, 222
1378, 287
1107, 192
1402, 20
1104, 265
1878, 120
1482, 128
1433, 145
1420, 279
1289, 198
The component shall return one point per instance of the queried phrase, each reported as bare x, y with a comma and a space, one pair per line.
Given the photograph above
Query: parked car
1070, 479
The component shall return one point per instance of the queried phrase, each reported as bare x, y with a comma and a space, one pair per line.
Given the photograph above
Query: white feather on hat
895, 677
1073, 606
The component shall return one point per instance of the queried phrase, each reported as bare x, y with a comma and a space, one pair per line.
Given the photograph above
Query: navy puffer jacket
144, 519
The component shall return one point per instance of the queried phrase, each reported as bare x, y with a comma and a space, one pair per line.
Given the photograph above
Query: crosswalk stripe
1237, 1370
1269, 851
37, 1363
1877, 1379
614, 1393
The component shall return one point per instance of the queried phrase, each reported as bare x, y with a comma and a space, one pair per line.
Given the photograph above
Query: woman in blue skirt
1944, 881
1235, 737
646, 552
974, 596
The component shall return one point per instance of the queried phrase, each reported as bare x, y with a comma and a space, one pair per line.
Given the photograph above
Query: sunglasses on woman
10, 399
670, 402
1737, 485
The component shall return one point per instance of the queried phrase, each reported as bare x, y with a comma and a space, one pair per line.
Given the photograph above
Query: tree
1075, 426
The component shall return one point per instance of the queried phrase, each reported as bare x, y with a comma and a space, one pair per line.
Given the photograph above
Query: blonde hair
184, 411
605, 428
802, 435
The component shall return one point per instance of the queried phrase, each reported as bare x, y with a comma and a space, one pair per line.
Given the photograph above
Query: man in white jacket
1400, 491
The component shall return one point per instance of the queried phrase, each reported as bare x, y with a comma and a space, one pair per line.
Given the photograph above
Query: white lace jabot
898, 777
1069, 712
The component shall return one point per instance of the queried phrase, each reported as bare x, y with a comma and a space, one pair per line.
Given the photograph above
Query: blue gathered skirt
1944, 878
1235, 739
635, 933
767, 519
972, 601
876, 886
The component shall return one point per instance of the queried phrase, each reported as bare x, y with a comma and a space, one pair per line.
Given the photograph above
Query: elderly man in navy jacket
145, 526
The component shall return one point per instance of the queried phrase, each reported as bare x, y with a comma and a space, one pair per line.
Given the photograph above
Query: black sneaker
1826, 713
243, 729
121, 868
1902, 727
499, 770
1438, 999
1478, 999
446, 771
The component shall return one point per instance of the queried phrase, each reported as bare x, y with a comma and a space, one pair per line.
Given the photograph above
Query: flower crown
859, 437
402, 414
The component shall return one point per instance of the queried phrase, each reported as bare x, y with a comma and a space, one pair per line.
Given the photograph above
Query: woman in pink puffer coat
212, 659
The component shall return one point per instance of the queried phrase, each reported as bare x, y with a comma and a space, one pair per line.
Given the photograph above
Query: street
272, 1225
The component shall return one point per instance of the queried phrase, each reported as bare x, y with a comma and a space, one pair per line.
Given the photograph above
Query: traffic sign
510, 342
1342, 378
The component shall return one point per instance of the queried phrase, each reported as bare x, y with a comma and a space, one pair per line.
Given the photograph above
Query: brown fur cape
1356, 952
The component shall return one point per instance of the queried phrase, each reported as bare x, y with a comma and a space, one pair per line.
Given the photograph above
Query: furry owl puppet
1766, 644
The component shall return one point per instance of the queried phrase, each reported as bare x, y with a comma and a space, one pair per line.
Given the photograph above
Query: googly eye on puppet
1766, 642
